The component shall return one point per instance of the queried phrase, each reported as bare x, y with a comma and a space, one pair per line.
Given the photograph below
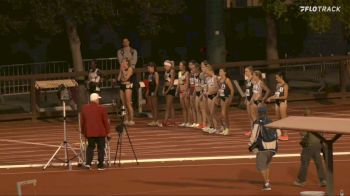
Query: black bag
304, 141
253, 146
267, 134
134, 81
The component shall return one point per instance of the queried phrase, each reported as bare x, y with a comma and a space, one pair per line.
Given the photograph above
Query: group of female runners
257, 92
205, 97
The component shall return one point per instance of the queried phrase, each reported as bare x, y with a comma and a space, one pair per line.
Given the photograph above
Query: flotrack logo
319, 8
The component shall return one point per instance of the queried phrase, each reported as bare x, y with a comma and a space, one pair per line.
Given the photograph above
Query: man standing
130, 53
127, 52
312, 148
94, 78
263, 142
95, 127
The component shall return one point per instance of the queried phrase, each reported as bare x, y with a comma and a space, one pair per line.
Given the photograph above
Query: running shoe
298, 183
131, 123
100, 167
172, 124
165, 123
151, 124
323, 183
226, 131
182, 124
200, 126
248, 133
283, 138
266, 187
188, 125
211, 130
88, 167
206, 129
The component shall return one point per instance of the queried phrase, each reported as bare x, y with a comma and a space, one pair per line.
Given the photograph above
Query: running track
226, 168
25, 144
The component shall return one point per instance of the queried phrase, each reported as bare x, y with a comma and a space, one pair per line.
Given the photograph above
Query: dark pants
308, 154
134, 97
92, 141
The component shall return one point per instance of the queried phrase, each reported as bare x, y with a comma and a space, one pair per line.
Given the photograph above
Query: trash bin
312, 193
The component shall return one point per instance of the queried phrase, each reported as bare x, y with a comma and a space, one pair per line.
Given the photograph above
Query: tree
215, 37
319, 22
56, 16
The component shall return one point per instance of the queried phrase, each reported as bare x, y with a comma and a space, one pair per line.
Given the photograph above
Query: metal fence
313, 74
15, 87
297, 73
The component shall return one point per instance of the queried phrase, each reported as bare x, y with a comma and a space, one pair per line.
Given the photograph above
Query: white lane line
157, 167
178, 159
31, 143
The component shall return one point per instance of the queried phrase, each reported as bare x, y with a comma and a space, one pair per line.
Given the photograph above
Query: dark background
245, 39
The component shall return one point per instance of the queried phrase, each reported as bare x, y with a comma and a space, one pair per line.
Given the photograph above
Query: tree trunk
216, 44
271, 40
271, 48
74, 43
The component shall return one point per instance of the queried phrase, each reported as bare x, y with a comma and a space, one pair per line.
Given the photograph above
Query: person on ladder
95, 127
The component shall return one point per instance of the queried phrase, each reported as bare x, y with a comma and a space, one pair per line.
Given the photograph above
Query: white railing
23, 86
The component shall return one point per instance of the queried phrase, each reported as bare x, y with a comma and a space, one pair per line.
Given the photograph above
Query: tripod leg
52, 157
120, 149
132, 147
76, 155
108, 153
66, 154
116, 151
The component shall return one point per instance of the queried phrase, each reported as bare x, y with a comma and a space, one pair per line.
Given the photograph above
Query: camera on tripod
63, 93
121, 127
122, 111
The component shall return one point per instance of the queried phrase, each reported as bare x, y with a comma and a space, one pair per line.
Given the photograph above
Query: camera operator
263, 142
312, 148
95, 127
94, 78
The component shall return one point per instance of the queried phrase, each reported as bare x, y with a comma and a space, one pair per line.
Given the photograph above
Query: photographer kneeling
263, 142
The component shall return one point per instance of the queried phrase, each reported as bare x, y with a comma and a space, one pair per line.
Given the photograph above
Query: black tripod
120, 129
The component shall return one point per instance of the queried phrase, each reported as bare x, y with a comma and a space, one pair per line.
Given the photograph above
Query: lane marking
160, 166
178, 159
31, 143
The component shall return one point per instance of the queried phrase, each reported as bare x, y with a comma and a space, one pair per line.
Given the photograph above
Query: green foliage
317, 21
49, 16
275, 7
149, 17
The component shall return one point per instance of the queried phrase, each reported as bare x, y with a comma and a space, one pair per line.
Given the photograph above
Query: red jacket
94, 120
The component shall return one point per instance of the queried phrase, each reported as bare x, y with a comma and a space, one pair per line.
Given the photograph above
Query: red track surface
33, 143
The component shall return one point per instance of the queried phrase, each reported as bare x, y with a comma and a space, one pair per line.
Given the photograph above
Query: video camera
63, 93
122, 111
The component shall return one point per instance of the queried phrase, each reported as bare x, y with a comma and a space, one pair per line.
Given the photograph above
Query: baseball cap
94, 97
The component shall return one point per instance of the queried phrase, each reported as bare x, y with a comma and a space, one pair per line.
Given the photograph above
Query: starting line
162, 160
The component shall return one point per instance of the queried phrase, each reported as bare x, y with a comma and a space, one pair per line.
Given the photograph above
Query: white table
317, 126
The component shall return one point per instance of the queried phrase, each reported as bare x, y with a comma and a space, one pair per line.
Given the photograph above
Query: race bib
277, 94
221, 92
192, 81
247, 92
